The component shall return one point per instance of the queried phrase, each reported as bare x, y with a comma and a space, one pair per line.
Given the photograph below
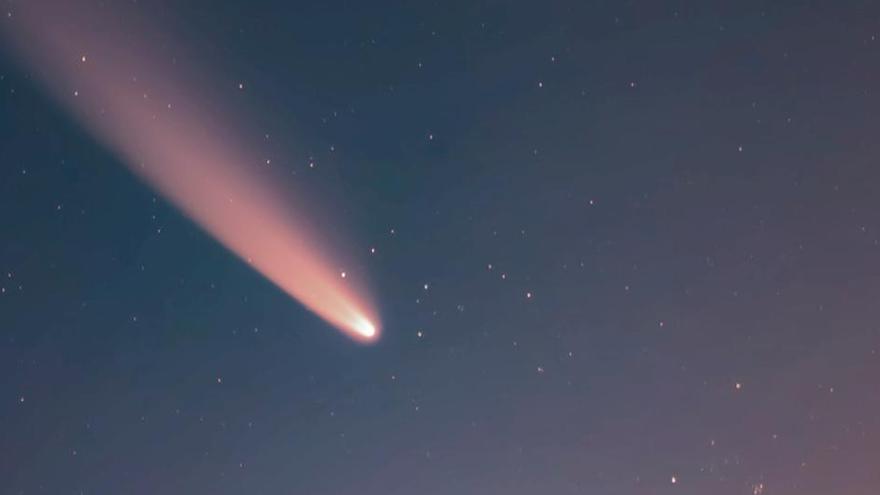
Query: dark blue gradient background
687, 190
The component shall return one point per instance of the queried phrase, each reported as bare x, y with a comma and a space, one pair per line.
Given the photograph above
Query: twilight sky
616, 248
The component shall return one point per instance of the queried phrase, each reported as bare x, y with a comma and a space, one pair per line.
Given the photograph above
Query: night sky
616, 248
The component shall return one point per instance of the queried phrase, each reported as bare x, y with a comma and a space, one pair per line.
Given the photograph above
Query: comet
151, 111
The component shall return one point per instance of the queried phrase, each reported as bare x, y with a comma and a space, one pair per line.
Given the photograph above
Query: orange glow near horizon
134, 103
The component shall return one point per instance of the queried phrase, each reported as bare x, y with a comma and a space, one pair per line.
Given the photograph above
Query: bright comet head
365, 329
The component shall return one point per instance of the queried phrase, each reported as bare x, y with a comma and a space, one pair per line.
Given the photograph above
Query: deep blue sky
688, 191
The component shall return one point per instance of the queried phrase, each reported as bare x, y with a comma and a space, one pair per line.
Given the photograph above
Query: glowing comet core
169, 134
